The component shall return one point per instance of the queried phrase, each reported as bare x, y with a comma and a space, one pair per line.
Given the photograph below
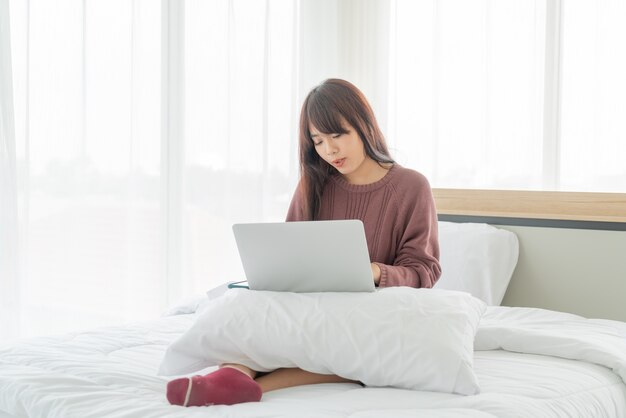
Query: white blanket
530, 363
538, 331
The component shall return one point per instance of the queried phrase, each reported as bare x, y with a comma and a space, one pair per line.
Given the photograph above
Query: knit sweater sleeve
416, 263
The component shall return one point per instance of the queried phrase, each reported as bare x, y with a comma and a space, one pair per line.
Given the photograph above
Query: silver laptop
318, 256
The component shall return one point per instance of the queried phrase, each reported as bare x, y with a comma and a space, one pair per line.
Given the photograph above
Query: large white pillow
402, 337
477, 258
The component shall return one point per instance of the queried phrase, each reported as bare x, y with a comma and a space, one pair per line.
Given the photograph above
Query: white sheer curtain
467, 91
9, 271
143, 130
241, 109
86, 83
593, 127
508, 94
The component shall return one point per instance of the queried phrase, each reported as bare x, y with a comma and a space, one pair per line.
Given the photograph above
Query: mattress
529, 362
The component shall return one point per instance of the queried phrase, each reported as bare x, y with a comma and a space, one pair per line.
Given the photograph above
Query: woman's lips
339, 163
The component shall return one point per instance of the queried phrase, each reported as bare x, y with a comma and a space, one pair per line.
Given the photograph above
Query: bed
529, 362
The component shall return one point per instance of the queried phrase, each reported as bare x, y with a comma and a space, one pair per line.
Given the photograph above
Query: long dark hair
323, 108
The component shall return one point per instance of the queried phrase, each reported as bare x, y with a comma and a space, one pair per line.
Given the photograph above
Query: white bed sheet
111, 372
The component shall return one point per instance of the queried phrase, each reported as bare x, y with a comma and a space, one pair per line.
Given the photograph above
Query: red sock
225, 386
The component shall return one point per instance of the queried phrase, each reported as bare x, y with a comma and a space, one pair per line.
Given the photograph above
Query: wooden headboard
572, 245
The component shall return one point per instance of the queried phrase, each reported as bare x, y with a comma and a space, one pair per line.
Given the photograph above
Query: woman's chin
343, 170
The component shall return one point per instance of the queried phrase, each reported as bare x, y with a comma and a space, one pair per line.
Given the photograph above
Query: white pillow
477, 258
402, 337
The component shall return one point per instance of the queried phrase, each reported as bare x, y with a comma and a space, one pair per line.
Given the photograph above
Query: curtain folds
146, 130
9, 237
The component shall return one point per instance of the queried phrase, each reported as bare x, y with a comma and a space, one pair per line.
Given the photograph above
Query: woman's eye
336, 135
317, 144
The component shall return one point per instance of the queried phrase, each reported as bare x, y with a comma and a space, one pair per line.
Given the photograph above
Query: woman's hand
376, 273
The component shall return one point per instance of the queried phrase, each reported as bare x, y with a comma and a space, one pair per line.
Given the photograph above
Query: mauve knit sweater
400, 220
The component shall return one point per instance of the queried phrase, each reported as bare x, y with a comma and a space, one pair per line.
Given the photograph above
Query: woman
346, 173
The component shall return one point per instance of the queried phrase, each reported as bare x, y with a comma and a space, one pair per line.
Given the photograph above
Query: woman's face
345, 152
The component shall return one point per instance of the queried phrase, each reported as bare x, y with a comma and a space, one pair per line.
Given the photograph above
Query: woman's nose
330, 148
